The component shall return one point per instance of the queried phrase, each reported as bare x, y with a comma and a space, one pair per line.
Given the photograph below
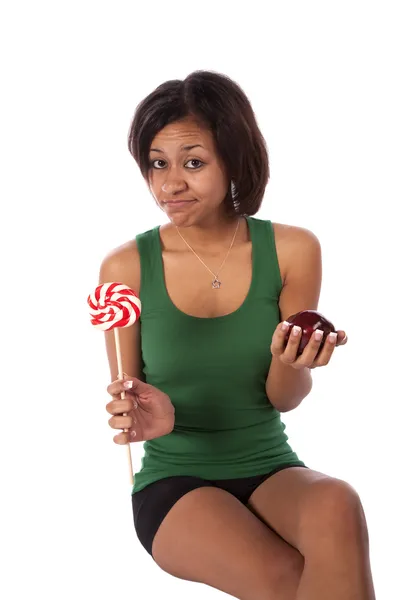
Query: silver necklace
216, 284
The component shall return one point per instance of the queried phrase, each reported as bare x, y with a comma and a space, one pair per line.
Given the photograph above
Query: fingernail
296, 330
128, 385
318, 335
285, 326
332, 337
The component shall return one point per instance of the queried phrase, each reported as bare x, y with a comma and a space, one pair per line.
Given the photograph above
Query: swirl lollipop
114, 305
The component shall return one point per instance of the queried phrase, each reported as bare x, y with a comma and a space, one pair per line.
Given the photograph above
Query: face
186, 176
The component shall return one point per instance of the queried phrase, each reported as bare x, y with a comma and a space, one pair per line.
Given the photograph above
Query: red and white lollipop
115, 305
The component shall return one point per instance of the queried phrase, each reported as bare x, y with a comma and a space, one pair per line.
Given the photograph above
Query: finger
136, 386
278, 338
290, 353
327, 350
126, 437
311, 350
342, 337
117, 387
131, 385
119, 407
122, 438
121, 422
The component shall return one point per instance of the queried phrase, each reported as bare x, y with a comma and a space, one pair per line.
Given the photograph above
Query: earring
234, 195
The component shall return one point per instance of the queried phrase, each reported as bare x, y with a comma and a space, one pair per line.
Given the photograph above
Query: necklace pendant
216, 284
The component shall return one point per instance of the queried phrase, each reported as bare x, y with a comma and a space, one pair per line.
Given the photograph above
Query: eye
159, 160
195, 160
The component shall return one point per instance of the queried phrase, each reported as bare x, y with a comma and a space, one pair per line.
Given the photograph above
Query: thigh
242, 488
302, 504
210, 537
151, 505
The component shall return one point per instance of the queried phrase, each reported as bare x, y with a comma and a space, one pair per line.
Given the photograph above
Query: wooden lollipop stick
120, 376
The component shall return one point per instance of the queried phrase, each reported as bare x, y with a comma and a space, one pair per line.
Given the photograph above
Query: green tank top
214, 371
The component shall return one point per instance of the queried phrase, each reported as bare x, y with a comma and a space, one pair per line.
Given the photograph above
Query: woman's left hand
308, 358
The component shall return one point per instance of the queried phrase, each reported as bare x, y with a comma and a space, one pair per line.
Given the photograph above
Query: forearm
287, 387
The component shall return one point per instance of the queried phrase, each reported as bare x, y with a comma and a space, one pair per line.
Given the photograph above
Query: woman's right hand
150, 412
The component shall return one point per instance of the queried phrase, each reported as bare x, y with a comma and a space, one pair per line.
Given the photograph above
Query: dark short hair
219, 104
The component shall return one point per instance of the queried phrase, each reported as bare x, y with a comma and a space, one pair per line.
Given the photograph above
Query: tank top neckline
231, 315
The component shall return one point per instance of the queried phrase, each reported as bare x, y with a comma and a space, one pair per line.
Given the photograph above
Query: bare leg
340, 568
324, 519
210, 537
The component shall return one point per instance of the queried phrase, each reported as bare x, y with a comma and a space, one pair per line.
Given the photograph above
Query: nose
173, 186
173, 182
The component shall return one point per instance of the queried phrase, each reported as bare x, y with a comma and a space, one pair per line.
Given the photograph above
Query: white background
323, 81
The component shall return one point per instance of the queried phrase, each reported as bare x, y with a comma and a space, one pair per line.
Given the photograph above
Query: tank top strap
266, 272
152, 292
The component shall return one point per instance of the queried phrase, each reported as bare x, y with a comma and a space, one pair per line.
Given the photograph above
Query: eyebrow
183, 148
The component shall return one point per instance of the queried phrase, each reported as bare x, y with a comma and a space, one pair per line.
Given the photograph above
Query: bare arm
123, 265
287, 387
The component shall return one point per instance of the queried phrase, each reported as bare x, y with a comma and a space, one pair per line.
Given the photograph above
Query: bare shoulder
294, 244
122, 264
293, 234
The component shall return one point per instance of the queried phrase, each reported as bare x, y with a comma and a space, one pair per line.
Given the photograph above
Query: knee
333, 509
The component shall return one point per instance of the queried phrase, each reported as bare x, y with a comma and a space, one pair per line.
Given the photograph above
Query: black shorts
151, 504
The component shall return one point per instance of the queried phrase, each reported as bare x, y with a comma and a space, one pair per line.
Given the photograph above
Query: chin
182, 220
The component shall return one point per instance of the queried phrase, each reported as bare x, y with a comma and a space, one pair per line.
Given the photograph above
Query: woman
221, 497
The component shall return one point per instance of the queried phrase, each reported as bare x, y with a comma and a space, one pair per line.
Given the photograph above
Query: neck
210, 234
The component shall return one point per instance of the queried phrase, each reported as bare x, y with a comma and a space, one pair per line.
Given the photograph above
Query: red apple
309, 321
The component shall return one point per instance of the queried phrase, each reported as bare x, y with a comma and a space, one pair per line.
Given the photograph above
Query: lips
178, 203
